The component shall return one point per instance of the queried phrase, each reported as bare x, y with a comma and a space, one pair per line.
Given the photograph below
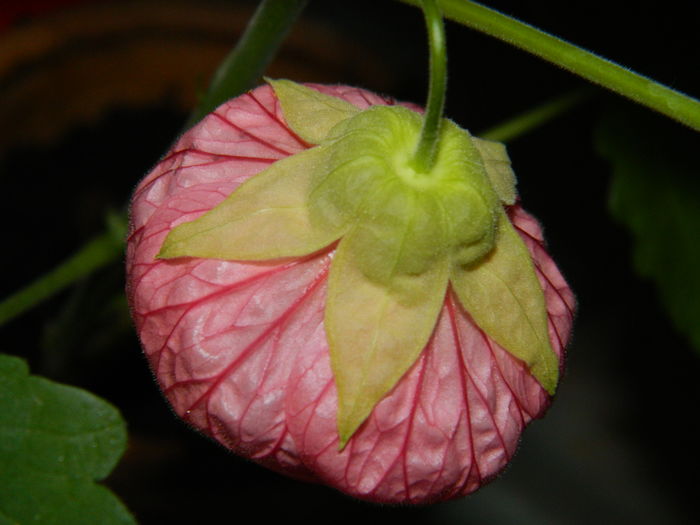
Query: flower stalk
424, 156
596, 69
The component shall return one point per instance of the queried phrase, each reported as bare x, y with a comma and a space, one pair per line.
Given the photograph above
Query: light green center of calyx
404, 235
370, 184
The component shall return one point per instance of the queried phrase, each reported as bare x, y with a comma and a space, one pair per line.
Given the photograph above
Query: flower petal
241, 352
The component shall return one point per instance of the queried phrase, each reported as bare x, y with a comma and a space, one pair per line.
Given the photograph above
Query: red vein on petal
150, 267
167, 158
458, 347
491, 415
261, 338
249, 134
489, 345
271, 356
484, 400
402, 453
281, 123
521, 409
411, 420
544, 274
438, 476
195, 210
134, 233
556, 290
277, 445
326, 447
559, 341
364, 97
552, 286
273, 270
146, 185
166, 346
550, 319
158, 356
226, 157
369, 455
192, 304
350, 447
170, 156
310, 419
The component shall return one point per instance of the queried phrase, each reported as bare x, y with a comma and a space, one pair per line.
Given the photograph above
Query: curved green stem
521, 124
603, 72
246, 63
97, 253
424, 156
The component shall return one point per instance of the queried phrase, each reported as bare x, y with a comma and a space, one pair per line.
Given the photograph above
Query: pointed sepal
376, 328
503, 295
267, 217
310, 113
497, 164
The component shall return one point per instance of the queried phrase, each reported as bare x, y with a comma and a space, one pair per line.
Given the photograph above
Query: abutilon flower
309, 299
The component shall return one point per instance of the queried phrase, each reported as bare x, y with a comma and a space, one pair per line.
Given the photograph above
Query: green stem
246, 63
603, 72
531, 119
430, 131
99, 252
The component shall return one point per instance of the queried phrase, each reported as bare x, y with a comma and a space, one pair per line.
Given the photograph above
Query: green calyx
404, 235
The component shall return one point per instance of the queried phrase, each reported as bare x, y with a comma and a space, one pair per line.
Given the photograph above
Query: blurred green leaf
55, 442
655, 193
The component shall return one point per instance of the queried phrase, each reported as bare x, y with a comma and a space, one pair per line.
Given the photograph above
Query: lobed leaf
55, 442
655, 193
504, 297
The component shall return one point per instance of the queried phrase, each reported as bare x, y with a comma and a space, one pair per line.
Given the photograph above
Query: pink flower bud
240, 351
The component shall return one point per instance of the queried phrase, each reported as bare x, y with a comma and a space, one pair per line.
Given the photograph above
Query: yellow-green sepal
503, 295
376, 328
497, 164
267, 217
310, 113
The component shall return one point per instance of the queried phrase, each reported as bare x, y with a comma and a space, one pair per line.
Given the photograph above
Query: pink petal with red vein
240, 350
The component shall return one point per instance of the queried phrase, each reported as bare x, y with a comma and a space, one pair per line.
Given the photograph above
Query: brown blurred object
70, 67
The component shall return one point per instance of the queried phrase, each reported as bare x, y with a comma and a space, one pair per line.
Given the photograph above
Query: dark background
86, 111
